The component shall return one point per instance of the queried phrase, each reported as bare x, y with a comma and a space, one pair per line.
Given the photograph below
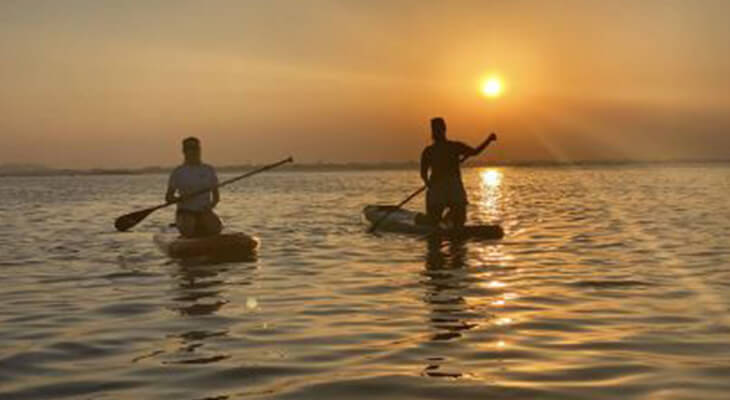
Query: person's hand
492, 137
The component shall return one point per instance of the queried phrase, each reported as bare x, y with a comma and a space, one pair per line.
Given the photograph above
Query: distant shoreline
25, 171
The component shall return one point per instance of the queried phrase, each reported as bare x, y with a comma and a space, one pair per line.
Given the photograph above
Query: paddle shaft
372, 229
402, 203
226, 182
127, 221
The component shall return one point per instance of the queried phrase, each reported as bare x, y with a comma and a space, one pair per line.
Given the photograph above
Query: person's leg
210, 224
447, 221
434, 212
422, 219
457, 213
186, 224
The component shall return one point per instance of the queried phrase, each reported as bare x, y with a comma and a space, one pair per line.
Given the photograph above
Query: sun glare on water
492, 87
491, 178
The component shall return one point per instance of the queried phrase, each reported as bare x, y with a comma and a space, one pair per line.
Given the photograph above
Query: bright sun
492, 87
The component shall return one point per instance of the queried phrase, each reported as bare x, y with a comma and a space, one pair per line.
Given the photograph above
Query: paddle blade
125, 222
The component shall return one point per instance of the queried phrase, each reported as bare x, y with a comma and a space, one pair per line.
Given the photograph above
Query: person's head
438, 129
191, 150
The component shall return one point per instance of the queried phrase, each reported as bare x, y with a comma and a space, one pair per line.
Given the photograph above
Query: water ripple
611, 283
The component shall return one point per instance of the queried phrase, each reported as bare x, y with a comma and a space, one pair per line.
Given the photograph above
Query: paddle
127, 221
372, 229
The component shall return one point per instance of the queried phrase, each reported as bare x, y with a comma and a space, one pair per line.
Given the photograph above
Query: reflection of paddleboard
405, 221
234, 245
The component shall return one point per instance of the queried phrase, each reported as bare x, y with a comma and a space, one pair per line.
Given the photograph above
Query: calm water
612, 282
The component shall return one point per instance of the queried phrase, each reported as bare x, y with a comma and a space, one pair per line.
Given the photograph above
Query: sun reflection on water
496, 284
490, 193
491, 178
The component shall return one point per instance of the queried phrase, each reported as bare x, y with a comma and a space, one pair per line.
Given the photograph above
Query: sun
492, 87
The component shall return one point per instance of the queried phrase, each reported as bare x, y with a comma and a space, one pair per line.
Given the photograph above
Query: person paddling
445, 188
194, 216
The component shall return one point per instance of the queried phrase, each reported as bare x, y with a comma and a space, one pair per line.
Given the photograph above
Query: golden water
612, 282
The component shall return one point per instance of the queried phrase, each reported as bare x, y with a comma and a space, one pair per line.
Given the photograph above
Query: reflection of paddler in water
197, 282
200, 292
203, 279
445, 188
445, 270
195, 216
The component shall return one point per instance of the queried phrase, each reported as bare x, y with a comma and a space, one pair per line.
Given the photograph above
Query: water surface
612, 282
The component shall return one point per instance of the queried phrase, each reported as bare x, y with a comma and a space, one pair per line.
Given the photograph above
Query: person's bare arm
171, 189
170, 195
216, 197
215, 194
470, 151
425, 165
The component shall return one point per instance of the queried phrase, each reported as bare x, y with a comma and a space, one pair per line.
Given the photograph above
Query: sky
117, 84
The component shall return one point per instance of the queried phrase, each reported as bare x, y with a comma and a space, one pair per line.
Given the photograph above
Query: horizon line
25, 169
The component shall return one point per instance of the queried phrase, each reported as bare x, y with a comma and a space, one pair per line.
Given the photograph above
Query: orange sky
118, 84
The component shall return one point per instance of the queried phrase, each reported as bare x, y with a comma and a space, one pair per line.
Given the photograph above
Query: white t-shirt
189, 178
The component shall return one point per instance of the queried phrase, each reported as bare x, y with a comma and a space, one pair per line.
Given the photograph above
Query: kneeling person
445, 188
195, 216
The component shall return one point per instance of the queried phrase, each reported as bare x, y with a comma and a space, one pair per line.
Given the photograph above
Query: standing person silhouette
445, 188
194, 216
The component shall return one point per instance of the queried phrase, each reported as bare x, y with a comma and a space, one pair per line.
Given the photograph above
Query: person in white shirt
195, 216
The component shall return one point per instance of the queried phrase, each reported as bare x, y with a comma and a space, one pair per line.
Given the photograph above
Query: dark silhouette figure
195, 216
445, 188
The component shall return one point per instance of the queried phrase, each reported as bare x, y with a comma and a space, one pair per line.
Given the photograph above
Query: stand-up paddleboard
233, 245
405, 221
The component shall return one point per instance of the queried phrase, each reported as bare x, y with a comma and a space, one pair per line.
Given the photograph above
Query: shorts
197, 223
